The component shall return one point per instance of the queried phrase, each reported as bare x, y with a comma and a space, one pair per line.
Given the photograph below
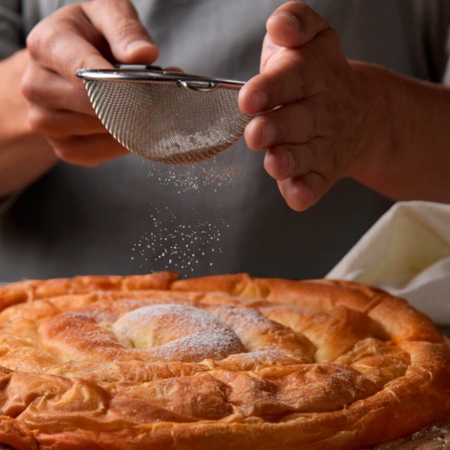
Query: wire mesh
168, 122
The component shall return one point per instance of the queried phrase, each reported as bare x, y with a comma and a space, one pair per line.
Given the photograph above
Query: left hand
310, 106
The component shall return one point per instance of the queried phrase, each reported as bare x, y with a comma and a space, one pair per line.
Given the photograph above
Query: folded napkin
407, 253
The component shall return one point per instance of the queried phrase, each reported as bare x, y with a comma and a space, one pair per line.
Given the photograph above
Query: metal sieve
164, 116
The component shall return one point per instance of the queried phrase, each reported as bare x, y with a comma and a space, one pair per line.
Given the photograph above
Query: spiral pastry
223, 362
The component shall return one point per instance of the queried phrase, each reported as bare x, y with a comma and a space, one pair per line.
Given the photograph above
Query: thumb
119, 24
294, 24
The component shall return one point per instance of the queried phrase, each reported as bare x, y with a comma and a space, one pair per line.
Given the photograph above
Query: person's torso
224, 215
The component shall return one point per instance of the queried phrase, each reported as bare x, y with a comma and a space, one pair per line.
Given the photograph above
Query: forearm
407, 136
24, 155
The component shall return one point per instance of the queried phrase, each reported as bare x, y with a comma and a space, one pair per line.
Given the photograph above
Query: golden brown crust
217, 362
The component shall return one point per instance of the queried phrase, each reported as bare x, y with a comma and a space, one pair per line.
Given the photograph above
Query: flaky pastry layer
222, 362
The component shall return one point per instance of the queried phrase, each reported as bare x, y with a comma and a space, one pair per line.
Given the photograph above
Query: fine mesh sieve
164, 116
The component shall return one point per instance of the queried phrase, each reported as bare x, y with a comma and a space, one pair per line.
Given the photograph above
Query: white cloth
407, 253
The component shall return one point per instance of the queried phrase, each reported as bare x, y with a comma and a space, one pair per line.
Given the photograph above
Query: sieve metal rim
177, 147
156, 75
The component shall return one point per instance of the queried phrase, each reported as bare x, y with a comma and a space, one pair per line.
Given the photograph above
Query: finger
88, 151
291, 124
292, 72
55, 124
279, 163
66, 42
119, 23
51, 91
300, 193
287, 161
290, 77
71, 39
294, 24
297, 194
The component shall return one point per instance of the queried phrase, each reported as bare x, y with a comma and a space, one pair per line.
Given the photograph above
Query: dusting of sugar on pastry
65, 373
177, 332
259, 333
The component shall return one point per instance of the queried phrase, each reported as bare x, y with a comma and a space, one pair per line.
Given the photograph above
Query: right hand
92, 35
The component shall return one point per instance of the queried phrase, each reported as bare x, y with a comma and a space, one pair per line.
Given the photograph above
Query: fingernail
289, 19
291, 162
258, 100
137, 44
309, 197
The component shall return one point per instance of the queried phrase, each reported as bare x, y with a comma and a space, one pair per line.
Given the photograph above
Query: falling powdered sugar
179, 238
171, 244
210, 174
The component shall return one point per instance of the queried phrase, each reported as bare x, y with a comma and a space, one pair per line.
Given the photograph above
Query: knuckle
32, 90
28, 88
46, 43
253, 131
128, 27
310, 21
35, 39
302, 9
37, 121
281, 130
297, 7
42, 38
311, 155
306, 14
45, 123
313, 122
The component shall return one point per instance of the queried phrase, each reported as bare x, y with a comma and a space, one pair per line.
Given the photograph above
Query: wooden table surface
433, 437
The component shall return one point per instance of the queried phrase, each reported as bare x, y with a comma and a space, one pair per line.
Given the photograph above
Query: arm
45, 113
412, 159
24, 156
342, 119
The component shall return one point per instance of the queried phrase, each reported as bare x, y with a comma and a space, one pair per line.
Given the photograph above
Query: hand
313, 95
94, 34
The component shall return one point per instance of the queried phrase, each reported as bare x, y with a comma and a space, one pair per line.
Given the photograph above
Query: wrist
404, 147
14, 111
375, 137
